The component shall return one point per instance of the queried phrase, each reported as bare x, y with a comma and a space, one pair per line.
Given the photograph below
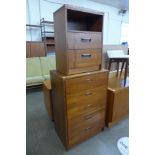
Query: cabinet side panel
109, 111
102, 46
60, 40
121, 104
59, 109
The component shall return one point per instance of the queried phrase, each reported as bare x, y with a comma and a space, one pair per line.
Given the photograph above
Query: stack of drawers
84, 51
79, 103
85, 103
79, 86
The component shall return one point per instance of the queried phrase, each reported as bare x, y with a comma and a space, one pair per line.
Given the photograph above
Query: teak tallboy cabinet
78, 40
79, 86
79, 105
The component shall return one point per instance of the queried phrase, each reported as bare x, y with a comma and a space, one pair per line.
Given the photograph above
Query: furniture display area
117, 101
47, 35
80, 48
47, 91
79, 105
38, 68
35, 49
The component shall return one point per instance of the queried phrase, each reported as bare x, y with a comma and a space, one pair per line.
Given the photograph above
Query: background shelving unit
47, 36
34, 48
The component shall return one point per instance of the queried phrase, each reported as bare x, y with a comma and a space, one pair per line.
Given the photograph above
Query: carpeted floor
41, 138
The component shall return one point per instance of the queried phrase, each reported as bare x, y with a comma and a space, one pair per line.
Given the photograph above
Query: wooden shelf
50, 43
31, 25
48, 37
47, 32
78, 31
84, 21
47, 22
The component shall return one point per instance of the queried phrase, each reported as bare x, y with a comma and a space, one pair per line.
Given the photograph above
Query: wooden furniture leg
126, 70
109, 66
122, 68
117, 68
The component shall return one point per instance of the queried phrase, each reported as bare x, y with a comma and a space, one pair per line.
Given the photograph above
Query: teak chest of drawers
79, 105
78, 40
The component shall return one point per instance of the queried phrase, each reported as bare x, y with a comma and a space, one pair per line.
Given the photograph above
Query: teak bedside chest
78, 39
79, 86
79, 105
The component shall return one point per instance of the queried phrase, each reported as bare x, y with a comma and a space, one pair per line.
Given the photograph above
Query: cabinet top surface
80, 75
82, 9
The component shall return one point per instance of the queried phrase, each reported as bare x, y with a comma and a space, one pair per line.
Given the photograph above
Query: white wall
37, 9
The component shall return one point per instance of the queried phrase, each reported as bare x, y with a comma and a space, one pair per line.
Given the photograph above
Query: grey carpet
41, 138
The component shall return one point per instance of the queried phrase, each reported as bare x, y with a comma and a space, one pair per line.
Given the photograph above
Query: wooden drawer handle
88, 93
87, 129
85, 55
89, 105
88, 117
86, 39
89, 80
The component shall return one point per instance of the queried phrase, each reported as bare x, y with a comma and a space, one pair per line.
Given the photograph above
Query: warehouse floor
41, 137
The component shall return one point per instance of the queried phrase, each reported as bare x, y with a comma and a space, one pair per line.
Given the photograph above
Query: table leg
109, 65
122, 68
117, 68
126, 70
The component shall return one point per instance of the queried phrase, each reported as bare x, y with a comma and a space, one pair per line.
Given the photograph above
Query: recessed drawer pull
89, 93
89, 79
85, 55
88, 117
86, 39
88, 105
87, 129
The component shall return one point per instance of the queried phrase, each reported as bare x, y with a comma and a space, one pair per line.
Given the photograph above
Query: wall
37, 9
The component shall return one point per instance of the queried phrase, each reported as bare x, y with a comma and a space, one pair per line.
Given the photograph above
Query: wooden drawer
84, 58
90, 81
85, 120
86, 102
84, 40
85, 132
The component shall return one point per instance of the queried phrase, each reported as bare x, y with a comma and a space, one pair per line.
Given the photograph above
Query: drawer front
84, 40
85, 120
75, 85
86, 102
85, 132
84, 58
